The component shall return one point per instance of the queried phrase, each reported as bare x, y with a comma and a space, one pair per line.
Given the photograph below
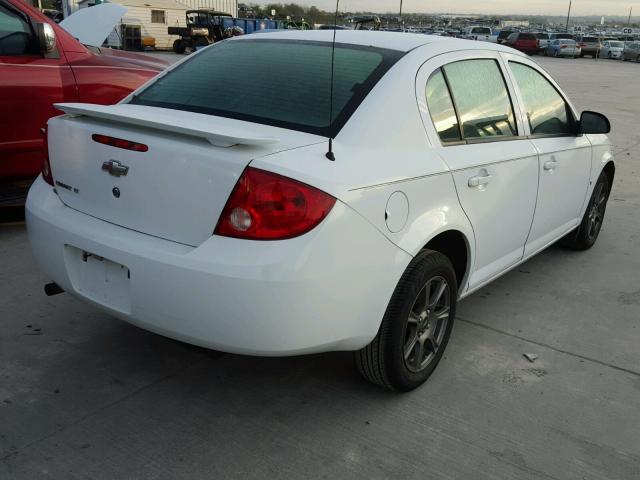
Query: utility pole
629, 19
401, 21
566, 28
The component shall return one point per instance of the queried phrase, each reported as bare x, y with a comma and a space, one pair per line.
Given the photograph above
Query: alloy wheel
427, 324
596, 212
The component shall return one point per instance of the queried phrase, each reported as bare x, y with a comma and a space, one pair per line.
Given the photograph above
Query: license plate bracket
99, 279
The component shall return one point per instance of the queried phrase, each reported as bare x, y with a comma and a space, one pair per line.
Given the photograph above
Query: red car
42, 64
525, 42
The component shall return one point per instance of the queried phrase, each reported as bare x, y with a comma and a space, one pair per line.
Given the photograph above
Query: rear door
473, 126
29, 85
565, 158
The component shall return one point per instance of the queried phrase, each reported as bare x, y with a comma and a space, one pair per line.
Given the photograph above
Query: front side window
441, 108
15, 34
481, 99
546, 110
284, 83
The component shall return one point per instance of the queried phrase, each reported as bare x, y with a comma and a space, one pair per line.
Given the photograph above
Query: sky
503, 7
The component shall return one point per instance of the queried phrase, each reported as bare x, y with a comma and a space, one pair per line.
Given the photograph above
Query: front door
494, 168
565, 158
29, 86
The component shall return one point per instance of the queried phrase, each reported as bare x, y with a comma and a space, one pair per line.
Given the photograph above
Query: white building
147, 19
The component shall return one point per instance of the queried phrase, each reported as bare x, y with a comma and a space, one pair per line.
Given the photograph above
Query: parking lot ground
83, 395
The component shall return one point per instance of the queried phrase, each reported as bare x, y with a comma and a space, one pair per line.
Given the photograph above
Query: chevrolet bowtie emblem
115, 168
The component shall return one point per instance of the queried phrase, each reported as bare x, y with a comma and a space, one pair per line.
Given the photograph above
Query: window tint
441, 108
481, 98
284, 83
527, 36
546, 110
15, 34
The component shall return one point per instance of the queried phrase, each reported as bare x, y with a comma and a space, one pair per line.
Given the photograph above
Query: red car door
29, 85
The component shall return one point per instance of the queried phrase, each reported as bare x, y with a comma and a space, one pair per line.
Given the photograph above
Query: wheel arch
455, 245
610, 171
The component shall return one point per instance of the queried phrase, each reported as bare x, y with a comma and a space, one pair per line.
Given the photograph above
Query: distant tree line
283, 10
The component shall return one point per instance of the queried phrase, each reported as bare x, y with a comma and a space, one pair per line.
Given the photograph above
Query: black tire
383, 361
178, 46
585, 236
638, 59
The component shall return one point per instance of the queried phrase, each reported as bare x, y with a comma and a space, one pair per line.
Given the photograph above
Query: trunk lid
176, 189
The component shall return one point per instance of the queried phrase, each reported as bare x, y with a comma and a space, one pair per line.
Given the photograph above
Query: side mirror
593, 122
46, 37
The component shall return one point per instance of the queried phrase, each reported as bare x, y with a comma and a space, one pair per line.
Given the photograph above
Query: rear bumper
326, 290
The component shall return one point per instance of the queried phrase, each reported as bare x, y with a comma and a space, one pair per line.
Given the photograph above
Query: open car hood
92, 25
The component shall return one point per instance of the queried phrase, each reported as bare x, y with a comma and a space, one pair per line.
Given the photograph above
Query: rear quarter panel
381, 150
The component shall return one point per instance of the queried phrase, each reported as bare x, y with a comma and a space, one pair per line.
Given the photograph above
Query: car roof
400, 41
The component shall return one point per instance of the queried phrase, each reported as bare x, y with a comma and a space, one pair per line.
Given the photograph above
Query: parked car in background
589, 46
543, 40
631, 51
524, 42
562, 48
41, 64
235, 225
478, 33
561, 36
612, 49
503, 35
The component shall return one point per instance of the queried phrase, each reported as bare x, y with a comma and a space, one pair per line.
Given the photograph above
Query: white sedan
612, 49
210, 207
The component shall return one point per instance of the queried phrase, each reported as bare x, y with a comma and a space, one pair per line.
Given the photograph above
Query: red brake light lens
46, 166
119, 143
268, 206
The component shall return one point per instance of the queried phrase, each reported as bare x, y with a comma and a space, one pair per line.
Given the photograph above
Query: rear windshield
616, 44
483, 30
542, 35
563, 35
527, 36
285, 83
589, 39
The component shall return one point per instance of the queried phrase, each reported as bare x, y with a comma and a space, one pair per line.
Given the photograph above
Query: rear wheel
416, 326
178, 46
638, 59
585, 236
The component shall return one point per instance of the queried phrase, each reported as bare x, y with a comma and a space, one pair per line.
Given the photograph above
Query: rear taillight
268, 206
119, 143
563, 46
46, 166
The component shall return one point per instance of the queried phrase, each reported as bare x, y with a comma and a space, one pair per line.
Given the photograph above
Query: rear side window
481, 99
546, 110
285, 83
441, 108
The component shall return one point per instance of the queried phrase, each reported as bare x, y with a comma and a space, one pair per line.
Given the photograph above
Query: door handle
551, 164
479, 180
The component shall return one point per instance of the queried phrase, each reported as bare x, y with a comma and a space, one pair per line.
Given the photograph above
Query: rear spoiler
215, 130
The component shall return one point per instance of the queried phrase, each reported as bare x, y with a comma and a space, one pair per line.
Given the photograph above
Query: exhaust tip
52, 288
